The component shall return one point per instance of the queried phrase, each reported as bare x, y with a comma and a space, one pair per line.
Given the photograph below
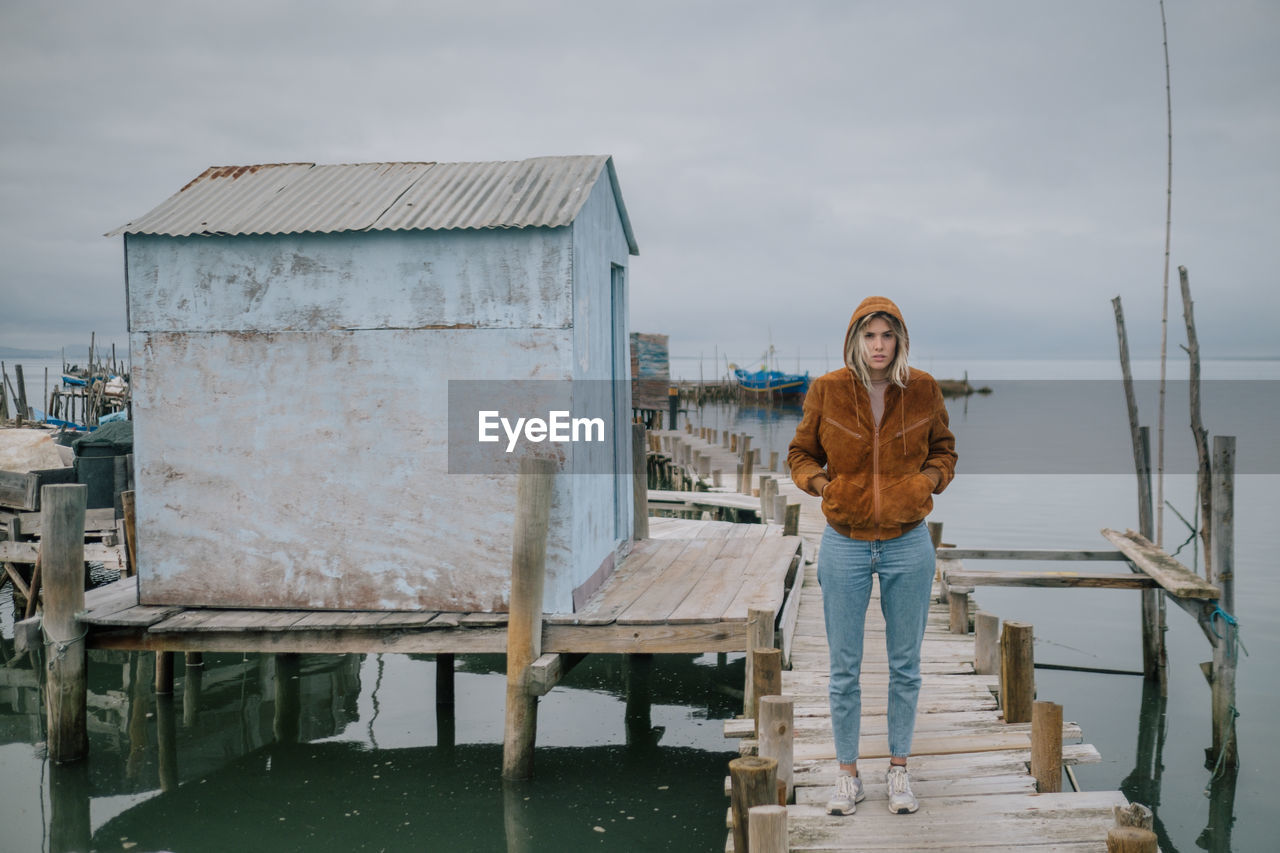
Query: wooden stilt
62, 555
1046, 746
986, 643
754, 782
767, 829
192, 687
760, 635
524, 623
130, 533
958, 601
70, 829
515, 822
639, 708
444, 680
775, 729
1133, 832
791, 520
639, 483
287, 722
164, 673
1223, 683
766, 678
1155, 659
167, 743
1017, 673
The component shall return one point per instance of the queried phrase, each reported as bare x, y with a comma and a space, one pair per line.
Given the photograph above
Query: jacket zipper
875, 476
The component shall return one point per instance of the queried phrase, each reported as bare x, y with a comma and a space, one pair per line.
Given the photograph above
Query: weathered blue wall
601, 504
291, 405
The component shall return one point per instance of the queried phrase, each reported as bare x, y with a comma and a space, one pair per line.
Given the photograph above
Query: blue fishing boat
771, 381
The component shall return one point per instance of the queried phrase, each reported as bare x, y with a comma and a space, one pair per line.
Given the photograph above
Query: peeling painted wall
290, 410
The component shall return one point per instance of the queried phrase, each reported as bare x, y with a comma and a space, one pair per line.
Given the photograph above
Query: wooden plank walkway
687, 589
969, 768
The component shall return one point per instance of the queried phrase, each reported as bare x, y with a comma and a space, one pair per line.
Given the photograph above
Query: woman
874, 444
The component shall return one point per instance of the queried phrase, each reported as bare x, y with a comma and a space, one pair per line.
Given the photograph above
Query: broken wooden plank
1173, 577
1090, 580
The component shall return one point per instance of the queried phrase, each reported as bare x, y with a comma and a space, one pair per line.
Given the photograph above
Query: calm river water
634, 761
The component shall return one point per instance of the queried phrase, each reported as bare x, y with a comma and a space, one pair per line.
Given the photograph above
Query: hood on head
873, 305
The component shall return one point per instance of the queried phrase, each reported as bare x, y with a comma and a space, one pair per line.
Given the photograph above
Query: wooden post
1155, 657
759, 636
287, 719
639, 482
767, 829
515, 818
775, 729
958, 600
167, 743
130, 533
766, 678
716, 478
1223, 685
753, 782
23, 410
1017, 673
673, 406
748, 464
986, 643
164, 673
638, 713
779, 512
524, 622
444, 680
69, 824
935, 536
1133, 832
1204, 473
1046, 746
192, 687
791, 520
62, 509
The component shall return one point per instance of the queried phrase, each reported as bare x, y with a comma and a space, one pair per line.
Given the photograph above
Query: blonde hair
855, 355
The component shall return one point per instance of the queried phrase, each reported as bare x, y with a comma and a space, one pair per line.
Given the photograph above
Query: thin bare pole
1164, 307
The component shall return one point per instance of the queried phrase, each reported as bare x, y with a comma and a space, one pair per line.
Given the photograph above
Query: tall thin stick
1204, 470
1164, 309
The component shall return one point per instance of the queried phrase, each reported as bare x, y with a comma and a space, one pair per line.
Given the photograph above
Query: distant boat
771, 381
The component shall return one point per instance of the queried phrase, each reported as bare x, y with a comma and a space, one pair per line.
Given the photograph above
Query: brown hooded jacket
878, 489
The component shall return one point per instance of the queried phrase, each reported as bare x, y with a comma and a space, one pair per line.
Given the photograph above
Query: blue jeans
906, 568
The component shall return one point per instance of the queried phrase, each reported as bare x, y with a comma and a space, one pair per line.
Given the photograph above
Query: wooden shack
295, 330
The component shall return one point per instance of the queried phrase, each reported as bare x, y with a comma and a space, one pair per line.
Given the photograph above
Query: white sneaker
846, 794
901, 800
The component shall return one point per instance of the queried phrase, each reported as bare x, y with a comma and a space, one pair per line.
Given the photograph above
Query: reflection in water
69, 827
1142, 785
267, 752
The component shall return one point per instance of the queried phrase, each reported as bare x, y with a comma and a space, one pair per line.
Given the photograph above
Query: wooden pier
988, 777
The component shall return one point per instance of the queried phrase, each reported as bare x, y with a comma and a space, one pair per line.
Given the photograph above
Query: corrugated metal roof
290, 198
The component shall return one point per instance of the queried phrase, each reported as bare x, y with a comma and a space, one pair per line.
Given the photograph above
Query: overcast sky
996, 167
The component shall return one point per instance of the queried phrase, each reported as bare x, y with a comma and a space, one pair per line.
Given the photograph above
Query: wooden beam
1094, 580
546, 672
1026, 554
1175, 578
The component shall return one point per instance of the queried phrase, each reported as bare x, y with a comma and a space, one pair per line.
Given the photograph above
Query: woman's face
878, 347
